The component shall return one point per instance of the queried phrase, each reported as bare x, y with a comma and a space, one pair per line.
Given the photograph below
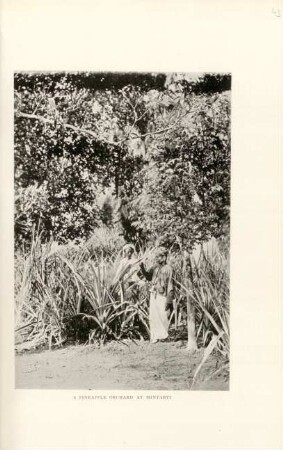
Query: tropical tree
160, 144
155, 147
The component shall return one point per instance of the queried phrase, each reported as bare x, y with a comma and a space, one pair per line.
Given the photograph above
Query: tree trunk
117, 162
191, 324
191, 320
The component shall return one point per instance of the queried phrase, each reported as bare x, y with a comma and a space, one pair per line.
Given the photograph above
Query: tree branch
66, 125
93, 134
163, 130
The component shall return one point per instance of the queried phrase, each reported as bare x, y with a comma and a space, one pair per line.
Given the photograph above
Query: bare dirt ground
129, 366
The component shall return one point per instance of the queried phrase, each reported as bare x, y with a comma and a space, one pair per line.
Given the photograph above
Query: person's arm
146, 273
170, 289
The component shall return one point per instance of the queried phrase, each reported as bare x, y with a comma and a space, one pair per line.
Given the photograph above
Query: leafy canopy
157, 146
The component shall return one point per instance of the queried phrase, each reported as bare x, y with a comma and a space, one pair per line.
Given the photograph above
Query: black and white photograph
141, 192
122, 230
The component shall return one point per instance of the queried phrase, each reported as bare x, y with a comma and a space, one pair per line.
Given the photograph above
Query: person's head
128, 250
161, 255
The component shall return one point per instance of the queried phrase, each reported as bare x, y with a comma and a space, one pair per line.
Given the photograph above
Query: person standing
127, 270
161, 296
128, 258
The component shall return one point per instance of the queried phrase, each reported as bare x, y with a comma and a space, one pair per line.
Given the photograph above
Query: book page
242, 39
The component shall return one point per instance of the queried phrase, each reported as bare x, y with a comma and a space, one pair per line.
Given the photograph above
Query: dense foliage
63, 293
102, 159
149, 153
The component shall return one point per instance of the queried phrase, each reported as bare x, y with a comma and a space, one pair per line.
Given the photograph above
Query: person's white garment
159, 322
